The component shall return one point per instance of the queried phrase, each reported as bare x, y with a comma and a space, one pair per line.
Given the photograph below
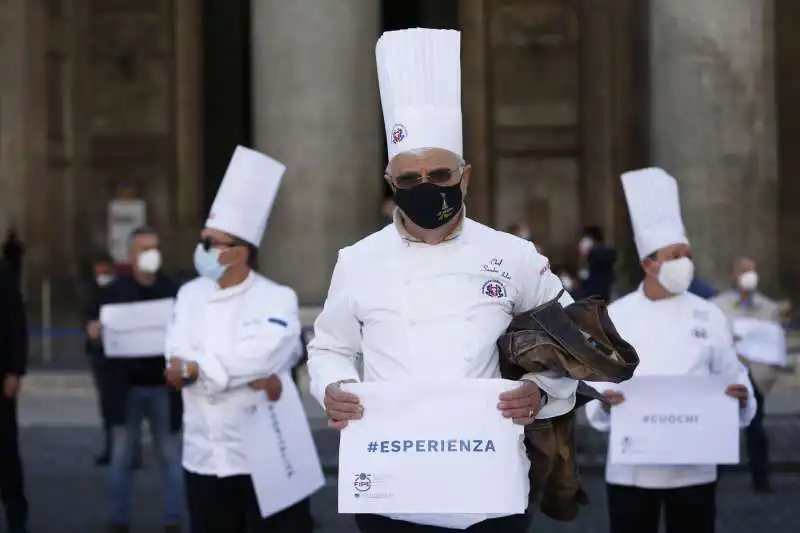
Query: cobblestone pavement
68, 494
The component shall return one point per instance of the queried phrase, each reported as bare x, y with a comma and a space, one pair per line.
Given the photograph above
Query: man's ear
650, 266
465, 175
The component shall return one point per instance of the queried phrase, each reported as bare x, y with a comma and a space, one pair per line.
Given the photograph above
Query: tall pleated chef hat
419, 73
246, 195
655, 209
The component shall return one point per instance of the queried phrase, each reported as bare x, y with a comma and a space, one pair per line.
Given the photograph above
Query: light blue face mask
206, 262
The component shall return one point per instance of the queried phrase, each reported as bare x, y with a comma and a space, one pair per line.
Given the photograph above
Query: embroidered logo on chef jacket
494, 289
700, 333
260, 321
399, 133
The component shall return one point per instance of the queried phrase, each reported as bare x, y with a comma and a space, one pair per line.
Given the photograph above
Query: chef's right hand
93, 329
341, 406
612, 398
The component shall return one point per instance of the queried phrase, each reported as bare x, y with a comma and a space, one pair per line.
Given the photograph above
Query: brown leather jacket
578, 341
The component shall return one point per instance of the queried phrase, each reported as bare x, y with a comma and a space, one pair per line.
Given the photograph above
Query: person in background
744, 300
675, 334
598, 259
13, 363
522, 231
108, 392
13, 251
259, 324
568, 279
143, 393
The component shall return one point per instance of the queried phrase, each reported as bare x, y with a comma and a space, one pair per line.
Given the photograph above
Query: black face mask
430, 206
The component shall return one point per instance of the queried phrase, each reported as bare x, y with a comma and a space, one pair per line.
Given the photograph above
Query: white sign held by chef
760, 341
432, 447
280, 450
675, 420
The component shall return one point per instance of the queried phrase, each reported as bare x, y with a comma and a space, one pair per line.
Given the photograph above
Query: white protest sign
675, 420
760, 341
136, 329
280, 449
432, 448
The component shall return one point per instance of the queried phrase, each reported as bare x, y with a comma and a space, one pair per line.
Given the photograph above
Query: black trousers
690, 509
229, 505
370, 523
12, 487
758, 443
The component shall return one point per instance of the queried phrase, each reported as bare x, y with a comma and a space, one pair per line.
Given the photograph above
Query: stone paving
68, 494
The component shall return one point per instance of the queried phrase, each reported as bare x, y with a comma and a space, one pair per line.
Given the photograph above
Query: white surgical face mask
676, 275
149, 261
104, 279
566, 281
748, 281
585, 244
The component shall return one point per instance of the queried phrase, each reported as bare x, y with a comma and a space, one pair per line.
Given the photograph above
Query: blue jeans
152, 403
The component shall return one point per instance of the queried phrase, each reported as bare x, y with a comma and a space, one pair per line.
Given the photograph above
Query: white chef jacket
419, 311
236, 335
683, 335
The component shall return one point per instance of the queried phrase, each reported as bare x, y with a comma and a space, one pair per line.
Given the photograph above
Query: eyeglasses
207, 243
439, 176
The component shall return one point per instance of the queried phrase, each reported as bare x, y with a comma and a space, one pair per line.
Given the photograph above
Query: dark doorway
226, 87
440, 14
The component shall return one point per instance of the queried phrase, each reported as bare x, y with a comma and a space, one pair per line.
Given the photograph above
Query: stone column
713, 126
316, 109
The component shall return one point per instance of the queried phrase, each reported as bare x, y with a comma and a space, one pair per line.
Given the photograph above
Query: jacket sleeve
13, 330
726, 363
337, 337
597, 417
270, 346
540, 286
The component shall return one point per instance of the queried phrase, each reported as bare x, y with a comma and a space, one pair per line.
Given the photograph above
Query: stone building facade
560, 97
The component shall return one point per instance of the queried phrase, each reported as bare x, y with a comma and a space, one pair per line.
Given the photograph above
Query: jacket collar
221, 294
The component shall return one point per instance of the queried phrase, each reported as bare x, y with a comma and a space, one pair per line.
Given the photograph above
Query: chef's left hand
521, 404
271, 385
739, 392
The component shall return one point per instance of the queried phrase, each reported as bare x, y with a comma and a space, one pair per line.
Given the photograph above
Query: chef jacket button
412, 322
407, 281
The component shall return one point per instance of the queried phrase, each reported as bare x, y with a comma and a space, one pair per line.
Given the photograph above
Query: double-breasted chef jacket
682, 335
236, 335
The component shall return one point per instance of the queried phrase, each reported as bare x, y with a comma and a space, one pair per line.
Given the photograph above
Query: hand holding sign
739, 392
521, 404
341, 406
612, 398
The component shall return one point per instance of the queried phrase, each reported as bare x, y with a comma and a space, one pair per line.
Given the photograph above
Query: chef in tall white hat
675, 333
232, 332
461, 282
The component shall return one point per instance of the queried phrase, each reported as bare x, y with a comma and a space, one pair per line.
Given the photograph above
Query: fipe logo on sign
363, 482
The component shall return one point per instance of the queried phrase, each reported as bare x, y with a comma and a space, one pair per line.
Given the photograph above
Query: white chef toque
655, 209
419, 73
246, 195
